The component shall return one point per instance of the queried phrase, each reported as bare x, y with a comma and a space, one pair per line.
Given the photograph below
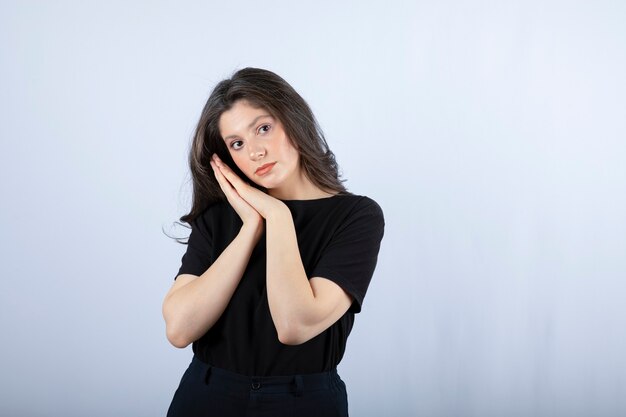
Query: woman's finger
262, 202
224, 184
237, 202
229, 174
218, 176
244, 190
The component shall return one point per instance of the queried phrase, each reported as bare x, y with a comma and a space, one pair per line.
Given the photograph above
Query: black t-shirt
338, 237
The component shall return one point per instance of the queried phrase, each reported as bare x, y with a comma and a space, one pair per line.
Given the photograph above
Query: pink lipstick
264, 169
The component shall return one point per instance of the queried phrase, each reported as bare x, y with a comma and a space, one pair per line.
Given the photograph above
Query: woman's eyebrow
250, 125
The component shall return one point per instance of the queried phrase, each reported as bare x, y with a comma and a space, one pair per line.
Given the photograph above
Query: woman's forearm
192, 309
289, 292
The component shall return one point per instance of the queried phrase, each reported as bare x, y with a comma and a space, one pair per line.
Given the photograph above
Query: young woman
278, 261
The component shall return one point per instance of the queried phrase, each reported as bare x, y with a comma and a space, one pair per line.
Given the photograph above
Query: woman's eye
236, 144
265, 126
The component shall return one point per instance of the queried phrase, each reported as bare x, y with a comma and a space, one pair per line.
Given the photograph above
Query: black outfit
206, 391
338, 238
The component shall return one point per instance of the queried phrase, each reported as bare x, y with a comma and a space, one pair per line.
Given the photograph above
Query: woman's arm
300, 308
193, 304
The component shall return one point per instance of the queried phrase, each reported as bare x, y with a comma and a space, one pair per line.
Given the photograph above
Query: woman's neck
303, 189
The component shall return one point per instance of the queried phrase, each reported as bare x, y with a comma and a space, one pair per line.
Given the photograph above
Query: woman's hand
249, 216
242, 196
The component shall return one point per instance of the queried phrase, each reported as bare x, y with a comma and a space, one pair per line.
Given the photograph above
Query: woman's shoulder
350, 207
364, 203
359, 217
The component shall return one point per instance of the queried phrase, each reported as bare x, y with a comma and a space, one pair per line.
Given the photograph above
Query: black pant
207, 391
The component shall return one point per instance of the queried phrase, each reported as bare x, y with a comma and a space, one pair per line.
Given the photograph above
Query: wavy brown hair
266, 90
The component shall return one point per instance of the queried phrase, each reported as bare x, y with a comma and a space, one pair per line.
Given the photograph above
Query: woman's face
260, 148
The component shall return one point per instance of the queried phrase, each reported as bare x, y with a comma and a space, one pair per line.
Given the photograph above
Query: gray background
491, 133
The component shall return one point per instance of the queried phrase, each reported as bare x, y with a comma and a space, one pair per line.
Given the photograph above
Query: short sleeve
197, 259
350, 257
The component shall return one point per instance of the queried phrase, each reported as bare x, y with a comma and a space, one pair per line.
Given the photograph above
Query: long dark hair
266, 90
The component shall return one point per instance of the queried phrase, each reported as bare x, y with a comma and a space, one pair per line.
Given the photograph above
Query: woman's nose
256, 152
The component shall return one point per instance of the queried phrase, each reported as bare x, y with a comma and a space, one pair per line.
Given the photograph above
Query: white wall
491, 133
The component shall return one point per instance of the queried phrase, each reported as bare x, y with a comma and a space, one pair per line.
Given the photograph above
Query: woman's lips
264, 169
